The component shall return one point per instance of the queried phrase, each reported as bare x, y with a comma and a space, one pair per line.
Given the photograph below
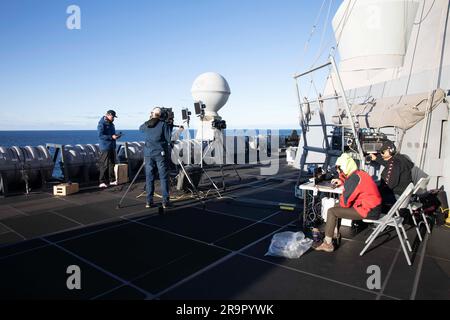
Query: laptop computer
327, 184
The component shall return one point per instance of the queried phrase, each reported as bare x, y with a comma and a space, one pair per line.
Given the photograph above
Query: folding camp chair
414, 206
393, 219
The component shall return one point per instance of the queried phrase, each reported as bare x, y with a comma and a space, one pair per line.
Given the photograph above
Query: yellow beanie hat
347, 164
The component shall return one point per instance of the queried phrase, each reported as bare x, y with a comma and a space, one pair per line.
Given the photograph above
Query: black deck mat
7, 211
131, 250
100, 211
195, 259
273, 196
247, 236
82, 231
283, 218
244, 210
39, 206
249, 279
3, 229
9, 237
122, 293
17, 248
39, 224
198, 224
438, 243
24, 198
41, 274
435, 280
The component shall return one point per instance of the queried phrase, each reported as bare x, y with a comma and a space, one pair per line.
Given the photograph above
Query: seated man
396, 175
360, 199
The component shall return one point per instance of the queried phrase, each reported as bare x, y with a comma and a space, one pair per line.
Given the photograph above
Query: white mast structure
395, 68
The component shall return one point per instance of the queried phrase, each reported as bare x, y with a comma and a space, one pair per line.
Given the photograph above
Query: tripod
119, 205
194, 188
220, 143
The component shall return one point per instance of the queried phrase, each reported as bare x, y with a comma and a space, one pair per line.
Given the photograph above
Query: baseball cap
112, 112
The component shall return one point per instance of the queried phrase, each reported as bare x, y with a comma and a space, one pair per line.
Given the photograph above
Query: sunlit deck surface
199, 250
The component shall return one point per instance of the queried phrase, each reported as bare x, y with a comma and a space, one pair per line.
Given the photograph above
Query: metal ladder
304, 122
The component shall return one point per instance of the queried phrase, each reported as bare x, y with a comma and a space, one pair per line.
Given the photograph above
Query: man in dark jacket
156, 154
396, 175
107, 138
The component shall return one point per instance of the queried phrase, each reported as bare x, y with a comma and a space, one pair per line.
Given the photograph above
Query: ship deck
211, 249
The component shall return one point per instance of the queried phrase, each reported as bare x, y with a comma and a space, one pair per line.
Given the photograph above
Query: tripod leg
215, 187
233, 165
235, 170
224, 187
187, 177
131, 184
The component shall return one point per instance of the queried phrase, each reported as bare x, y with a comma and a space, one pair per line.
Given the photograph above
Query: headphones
392, 149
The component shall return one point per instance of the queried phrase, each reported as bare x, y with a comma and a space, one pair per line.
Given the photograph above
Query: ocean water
35, 138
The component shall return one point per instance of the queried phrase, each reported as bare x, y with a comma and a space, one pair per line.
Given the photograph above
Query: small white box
66, 189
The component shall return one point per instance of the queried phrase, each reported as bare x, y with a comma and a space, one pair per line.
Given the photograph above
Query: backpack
435, 204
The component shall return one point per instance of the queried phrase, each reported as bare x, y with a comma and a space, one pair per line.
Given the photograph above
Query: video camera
186, 114
219, 124
371, 140
167, 115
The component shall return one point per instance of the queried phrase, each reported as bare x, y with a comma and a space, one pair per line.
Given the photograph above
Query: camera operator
396, 175
157, 152
107, 136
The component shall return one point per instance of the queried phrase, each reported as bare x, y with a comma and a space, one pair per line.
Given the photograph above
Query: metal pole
300, 104
214, 185
187, 176
324, 124
305, 141
131, 184
347, 108
296, 76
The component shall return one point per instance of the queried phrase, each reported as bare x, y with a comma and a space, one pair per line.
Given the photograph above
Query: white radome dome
212, 90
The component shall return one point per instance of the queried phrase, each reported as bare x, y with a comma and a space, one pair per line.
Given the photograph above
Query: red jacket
361, 193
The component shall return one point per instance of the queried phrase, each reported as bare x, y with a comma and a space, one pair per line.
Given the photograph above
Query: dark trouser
339, 213
151, 163
106, 165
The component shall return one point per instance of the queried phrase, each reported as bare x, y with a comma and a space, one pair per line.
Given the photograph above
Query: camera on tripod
219, 124
185, 114
199, 108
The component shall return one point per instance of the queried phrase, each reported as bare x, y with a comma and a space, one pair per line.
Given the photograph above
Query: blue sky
133, 55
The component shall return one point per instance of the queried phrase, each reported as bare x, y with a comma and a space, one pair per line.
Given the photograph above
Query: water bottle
316, 235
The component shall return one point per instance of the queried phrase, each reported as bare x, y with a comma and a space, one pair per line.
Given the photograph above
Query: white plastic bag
290, 245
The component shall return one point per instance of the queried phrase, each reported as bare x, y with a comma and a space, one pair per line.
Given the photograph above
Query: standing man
396, 175
157, 153
107, 138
